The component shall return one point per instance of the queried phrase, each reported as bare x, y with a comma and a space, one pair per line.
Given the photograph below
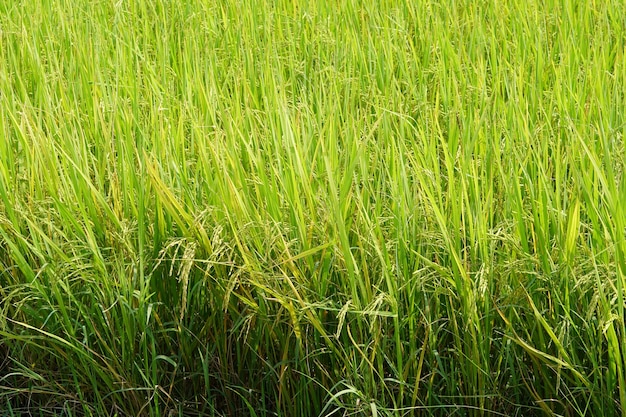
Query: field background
289, 208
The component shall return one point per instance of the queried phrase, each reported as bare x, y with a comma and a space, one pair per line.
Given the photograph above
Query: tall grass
312, 208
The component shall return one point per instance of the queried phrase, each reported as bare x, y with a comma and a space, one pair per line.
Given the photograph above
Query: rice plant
286, 208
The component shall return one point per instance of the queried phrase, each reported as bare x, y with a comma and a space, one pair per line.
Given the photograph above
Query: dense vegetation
290, 208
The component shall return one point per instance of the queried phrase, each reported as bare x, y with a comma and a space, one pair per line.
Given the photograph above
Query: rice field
287, 208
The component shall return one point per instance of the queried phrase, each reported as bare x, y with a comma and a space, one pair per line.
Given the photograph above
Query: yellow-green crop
292, 208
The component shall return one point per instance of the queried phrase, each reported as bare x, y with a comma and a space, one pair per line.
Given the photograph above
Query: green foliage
281, 208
